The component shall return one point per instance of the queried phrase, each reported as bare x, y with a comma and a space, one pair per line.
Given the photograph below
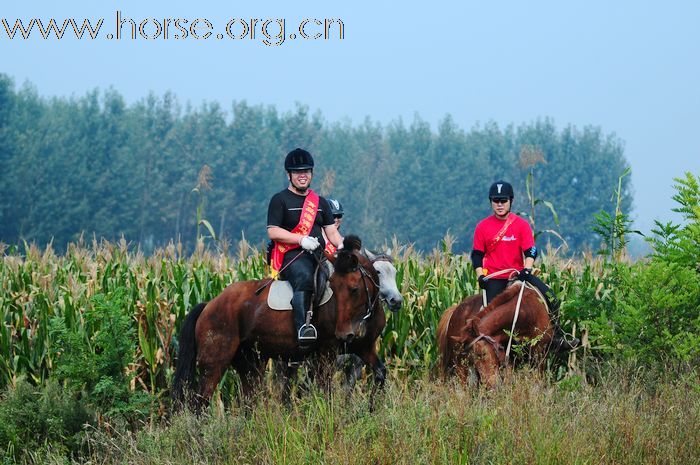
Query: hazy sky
630, 67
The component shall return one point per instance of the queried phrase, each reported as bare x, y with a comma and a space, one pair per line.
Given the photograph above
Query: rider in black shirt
295, 218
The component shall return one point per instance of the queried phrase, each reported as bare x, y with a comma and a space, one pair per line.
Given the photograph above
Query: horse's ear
372, 257
472, 326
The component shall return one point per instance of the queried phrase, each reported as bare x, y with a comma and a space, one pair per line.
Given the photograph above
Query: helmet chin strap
505, 215
298, 190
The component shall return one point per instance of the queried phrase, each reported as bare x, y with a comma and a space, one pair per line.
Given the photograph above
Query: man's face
500, 207
301, 179
337, 220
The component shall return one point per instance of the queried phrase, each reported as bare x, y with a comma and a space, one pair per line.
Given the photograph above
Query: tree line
150, 171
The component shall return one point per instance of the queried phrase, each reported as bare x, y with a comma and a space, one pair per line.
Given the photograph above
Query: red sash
330, 248
306, 222
502, 232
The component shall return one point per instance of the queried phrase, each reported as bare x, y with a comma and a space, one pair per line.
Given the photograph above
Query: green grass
528, 420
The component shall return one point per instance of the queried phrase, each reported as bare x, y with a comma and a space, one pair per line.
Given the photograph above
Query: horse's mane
500, 299
352, 242
348, 260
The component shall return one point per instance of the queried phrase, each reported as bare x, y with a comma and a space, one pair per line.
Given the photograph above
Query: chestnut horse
471, 336
237, 328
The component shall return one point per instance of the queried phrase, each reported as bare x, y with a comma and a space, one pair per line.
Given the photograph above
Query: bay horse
238, 328
472, 336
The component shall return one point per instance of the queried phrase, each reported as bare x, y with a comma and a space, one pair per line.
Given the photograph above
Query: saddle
280, 295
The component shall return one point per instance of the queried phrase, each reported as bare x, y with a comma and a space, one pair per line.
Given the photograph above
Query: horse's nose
395, 303
349, 337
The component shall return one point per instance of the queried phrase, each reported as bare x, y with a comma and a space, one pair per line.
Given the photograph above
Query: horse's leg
250, 367
291, 374
284, 375
211, 374
351, 367
214, 357
379, 379
371, 358
322, 368
538, 355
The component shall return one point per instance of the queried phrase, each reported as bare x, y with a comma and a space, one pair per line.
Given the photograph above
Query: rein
498, 273
380, 258
370, 302
510, 272
271, 280
515, 317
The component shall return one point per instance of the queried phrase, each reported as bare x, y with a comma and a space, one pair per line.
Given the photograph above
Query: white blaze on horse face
388, 290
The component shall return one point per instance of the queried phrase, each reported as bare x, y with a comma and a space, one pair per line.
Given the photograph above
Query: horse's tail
443, 343
186, 356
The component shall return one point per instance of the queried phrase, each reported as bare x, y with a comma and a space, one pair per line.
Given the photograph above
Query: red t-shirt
508, 251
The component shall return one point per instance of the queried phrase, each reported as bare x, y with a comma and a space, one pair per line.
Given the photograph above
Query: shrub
33, 417
96, 357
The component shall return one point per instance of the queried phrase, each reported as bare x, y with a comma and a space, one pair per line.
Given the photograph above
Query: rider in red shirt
504, 241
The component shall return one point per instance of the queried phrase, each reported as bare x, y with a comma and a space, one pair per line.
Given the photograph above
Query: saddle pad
280, 295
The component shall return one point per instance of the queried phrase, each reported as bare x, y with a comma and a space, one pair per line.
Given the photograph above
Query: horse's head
356, 291
388, 290
486, 360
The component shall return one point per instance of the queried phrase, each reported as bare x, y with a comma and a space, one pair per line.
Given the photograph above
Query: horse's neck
327, 314
498, 319
378, 316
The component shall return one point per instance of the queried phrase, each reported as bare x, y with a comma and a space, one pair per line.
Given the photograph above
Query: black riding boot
560, 343
301, 303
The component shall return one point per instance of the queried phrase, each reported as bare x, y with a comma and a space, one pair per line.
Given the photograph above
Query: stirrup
307, 333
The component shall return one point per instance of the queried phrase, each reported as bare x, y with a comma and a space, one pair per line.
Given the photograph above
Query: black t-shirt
285, 211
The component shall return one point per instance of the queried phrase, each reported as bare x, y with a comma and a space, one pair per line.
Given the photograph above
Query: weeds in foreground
626, 418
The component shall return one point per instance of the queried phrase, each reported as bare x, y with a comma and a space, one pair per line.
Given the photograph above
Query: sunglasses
337, 217
500, 200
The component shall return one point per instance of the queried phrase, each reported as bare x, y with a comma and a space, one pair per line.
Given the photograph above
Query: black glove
525, 274
482, 281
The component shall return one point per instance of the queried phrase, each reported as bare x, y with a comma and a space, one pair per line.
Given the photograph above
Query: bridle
370, 302
496, 346
382, 258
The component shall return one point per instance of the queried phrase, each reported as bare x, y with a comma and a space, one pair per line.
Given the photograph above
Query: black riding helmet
336, 208
298, 159
501, 190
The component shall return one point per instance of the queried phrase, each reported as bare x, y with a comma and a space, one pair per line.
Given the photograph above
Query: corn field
40, 289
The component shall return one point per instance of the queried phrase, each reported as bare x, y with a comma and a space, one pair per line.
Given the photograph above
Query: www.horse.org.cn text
271, 32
